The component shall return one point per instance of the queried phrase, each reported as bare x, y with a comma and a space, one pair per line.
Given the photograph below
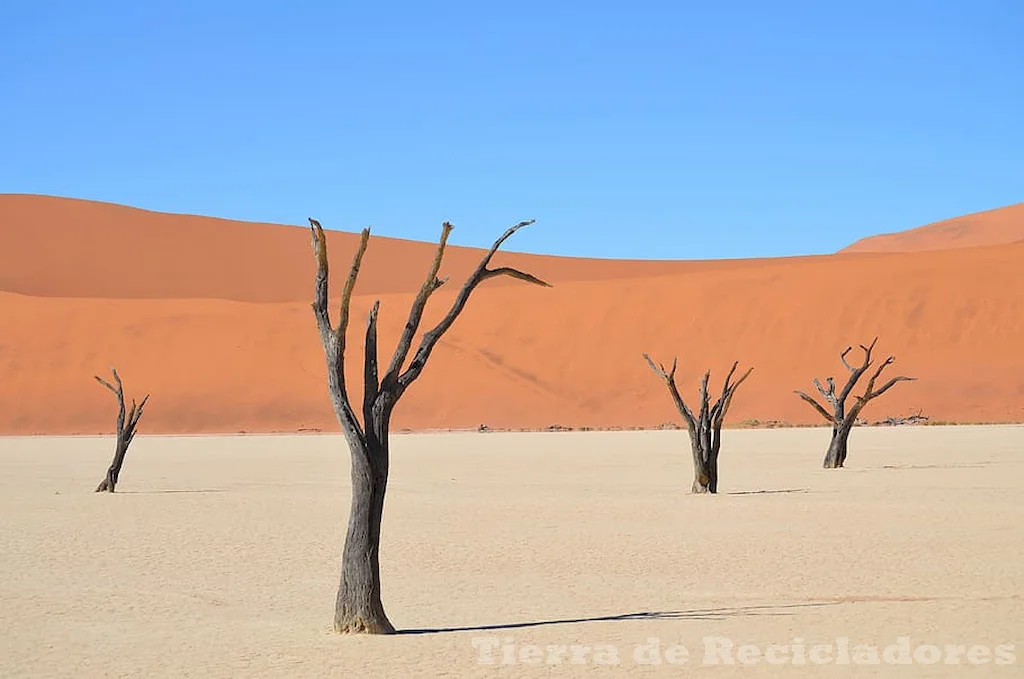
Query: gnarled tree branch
817, 406
482, 273
333, 339
842, 421
419, 304
669, 378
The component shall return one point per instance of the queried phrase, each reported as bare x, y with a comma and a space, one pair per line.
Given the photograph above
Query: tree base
364, 626
835, 456
704, 483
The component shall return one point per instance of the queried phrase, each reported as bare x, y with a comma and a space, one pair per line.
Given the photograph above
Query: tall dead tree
126, 425
358, 607
705, 427
843, 420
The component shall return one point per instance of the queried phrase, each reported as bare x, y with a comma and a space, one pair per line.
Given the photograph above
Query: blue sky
645, 129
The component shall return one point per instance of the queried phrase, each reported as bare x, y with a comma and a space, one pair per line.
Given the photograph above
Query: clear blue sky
629, 129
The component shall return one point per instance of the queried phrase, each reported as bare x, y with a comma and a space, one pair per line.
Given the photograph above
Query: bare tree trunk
835, 456
704, 428
126, 425
114, 471
358, 607
704, 441
842, 420
713, 461
702, 470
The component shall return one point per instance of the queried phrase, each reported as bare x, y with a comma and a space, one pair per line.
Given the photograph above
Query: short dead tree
841, 419
358, 607
126, 425
705, 427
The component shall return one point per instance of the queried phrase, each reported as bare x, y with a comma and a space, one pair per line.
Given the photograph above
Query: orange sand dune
992, 227
519, 357
62, 247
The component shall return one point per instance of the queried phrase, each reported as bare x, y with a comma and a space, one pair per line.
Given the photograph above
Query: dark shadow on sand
964, 465
768, 492
158, 492
695, 614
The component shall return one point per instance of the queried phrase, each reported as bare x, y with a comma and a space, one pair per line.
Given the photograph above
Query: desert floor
219, 556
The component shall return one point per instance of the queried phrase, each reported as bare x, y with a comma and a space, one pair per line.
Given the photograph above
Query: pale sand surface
219, 555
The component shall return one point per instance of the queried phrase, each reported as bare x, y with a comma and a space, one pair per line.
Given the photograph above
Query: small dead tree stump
126, 424
844, 420
705, 428
358, 608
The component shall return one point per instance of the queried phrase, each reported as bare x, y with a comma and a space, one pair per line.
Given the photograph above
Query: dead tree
843, 420
358, 608
126, 425
705, 428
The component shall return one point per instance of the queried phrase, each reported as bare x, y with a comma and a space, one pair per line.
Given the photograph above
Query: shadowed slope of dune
991, 227
527, 357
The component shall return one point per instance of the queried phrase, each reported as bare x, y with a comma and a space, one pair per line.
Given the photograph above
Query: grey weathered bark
358, 607
705, 428
841, 419
126, 425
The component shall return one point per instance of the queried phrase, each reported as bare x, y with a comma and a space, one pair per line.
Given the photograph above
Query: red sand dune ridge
991, 227
220, 331
62, 247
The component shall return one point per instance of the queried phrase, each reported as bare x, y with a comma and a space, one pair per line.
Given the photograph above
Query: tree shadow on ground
695, 614
952, 465
768, 492
159, 492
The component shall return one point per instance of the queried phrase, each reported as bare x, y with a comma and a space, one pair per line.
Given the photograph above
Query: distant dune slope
247, 358
992, 227
62, 247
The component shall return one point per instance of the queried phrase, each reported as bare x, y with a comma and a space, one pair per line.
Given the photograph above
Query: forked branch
394, 381
841, 418
838, 402
721, 409
333, 338
871, 393
480, 274
430, 284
